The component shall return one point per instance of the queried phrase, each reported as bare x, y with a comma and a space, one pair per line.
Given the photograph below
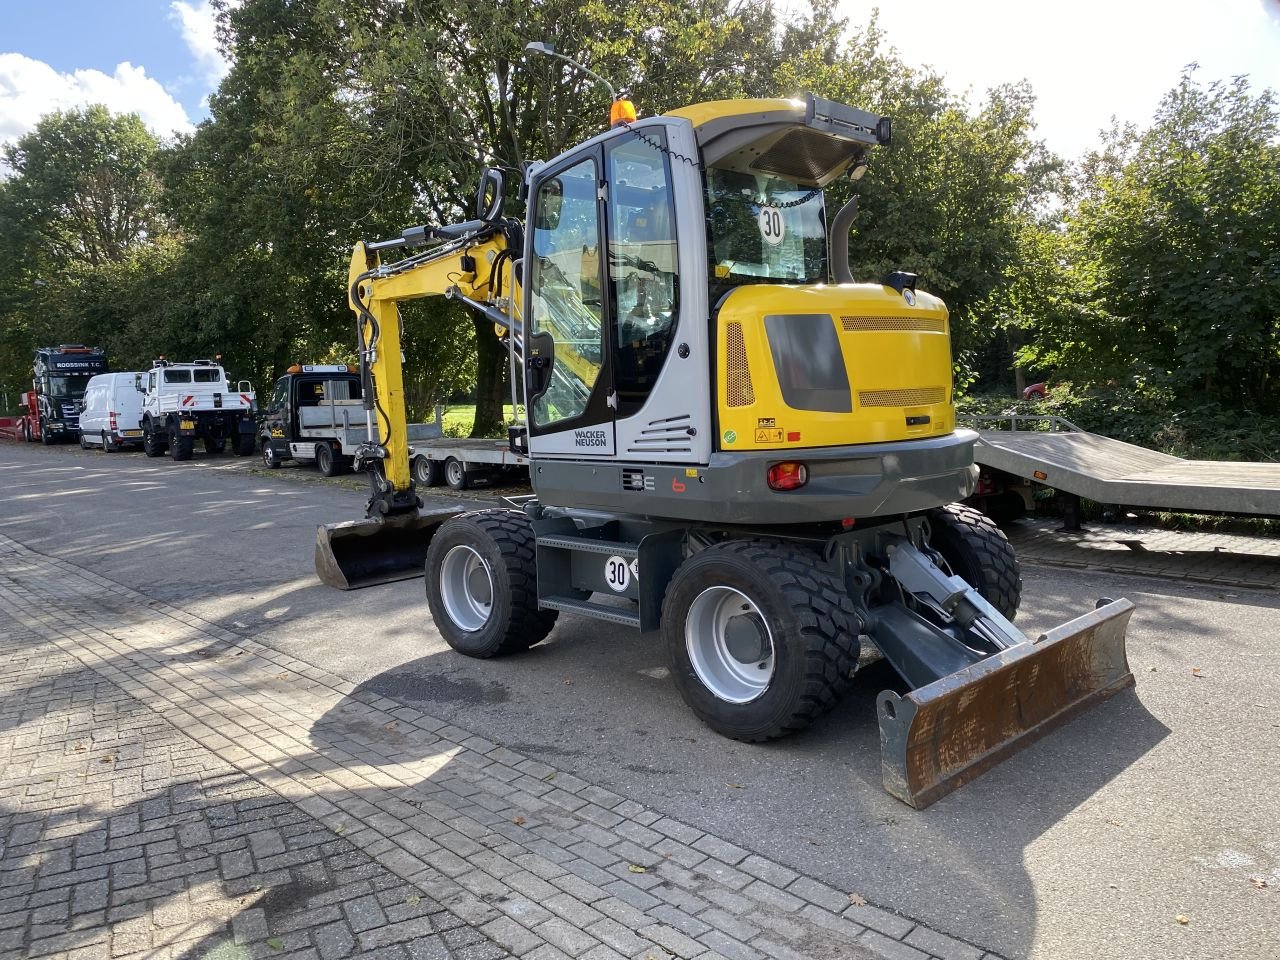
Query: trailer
1018, 454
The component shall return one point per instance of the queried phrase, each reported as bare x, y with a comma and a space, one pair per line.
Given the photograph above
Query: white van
112, 415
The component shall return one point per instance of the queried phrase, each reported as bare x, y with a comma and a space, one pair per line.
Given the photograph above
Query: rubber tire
46, 437
181, 448
504, 539
979, 553
107, 445
84, 444
270, 462
326, 461
814, 628
153, 444
427, 473
456, 474
26, 433
242, 444
213, 446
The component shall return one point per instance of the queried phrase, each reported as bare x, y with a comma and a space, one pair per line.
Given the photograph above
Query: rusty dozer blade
362, 553
946, 733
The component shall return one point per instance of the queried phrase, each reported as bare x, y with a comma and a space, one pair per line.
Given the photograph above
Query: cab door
568, 373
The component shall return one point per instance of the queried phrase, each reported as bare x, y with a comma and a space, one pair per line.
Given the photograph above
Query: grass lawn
458, 420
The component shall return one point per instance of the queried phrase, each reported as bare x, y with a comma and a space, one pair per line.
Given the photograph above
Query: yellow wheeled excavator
729, 440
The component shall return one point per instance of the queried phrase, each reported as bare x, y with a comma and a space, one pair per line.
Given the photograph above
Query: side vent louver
669, 435
739, 391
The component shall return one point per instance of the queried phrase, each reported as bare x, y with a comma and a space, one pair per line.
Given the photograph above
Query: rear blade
361, 553
945, 733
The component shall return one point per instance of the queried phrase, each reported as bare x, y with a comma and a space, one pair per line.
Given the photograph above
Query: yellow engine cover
826, 366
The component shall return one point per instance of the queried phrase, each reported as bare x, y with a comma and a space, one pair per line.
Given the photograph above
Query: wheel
107, 445
979, 553
426, 473
45, 436
269, 458
26, 432
242, 445
214, 445
456, 475
181, 448
762, 638
84, 444
153, 444
482, 584
325, 460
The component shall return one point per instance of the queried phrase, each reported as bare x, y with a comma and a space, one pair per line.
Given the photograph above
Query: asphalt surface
1161, 803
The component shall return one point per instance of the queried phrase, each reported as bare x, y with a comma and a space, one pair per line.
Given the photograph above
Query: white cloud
29, 89
197, 21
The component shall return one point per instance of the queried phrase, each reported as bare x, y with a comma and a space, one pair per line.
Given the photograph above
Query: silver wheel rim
422, 470
466, 588
729, 644
454, 469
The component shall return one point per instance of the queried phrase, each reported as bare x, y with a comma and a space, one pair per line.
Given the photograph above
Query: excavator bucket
361, 553
942, 735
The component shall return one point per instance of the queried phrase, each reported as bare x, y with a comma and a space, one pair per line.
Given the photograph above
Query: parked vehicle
51, 408
183, 402
316, 414
111, 412
1035, 391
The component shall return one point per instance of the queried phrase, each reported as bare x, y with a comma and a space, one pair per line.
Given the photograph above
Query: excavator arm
470, 262
475, 268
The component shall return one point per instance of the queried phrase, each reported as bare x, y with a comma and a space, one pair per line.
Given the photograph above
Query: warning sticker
769, 435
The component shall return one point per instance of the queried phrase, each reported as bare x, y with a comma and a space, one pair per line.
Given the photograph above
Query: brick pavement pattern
170, 788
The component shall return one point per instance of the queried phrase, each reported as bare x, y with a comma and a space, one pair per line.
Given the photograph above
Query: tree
83, 187
1173, 251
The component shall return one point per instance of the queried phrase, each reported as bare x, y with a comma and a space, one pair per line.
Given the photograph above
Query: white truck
183, 402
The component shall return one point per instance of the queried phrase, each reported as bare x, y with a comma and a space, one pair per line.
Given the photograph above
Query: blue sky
1087, 60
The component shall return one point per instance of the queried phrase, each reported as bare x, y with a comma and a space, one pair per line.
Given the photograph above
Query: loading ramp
1053, 452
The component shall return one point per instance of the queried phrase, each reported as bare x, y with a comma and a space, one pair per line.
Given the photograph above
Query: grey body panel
1110, 471
864, 480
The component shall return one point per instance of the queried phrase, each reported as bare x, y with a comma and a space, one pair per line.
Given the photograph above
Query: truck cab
315, 414
59, 377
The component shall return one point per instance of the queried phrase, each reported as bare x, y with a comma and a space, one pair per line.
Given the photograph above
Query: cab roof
808, 140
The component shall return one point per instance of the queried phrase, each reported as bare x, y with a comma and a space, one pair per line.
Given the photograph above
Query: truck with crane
730, 441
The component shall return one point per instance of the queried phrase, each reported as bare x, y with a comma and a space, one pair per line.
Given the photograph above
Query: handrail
1055, 423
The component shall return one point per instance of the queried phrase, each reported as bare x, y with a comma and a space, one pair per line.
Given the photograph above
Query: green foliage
1169, 264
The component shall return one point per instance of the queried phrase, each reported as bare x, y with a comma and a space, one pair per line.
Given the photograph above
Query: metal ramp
1109, 471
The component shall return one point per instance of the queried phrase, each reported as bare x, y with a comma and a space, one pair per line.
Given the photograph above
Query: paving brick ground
1203, 557
172, 789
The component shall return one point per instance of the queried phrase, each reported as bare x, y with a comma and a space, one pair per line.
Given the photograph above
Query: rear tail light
111, 419
788, 476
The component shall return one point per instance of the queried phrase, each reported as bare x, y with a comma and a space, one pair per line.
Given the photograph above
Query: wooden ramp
1113, 472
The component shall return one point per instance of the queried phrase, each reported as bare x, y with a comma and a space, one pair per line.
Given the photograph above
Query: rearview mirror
137, 383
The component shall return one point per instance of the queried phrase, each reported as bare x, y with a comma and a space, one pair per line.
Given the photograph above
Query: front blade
945, 733
361, 553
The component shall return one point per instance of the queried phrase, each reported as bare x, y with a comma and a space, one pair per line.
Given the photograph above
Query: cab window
207, 375
643, 281
566, 290
177, 376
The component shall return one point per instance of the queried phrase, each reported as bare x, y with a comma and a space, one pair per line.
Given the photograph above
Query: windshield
68, 385
763, 229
